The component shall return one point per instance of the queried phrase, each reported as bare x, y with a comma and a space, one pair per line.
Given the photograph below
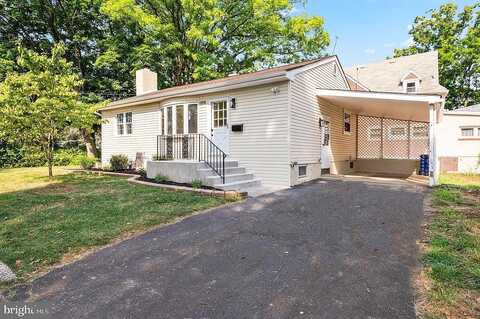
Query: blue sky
369, 30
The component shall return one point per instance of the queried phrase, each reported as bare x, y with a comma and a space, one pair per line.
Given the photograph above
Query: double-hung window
468, 132
125, 123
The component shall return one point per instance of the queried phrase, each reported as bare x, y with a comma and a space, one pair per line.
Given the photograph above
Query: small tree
36, 106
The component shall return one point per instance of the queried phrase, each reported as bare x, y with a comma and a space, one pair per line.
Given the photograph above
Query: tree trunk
89, 143
50, 157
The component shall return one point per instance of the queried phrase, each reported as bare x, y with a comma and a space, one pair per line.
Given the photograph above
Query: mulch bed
127, 171
144, 179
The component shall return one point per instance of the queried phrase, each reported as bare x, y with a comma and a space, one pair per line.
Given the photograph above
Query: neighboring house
279, 127
459, 136
408, 74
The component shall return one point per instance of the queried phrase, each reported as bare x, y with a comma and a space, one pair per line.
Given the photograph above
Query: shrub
64, 157
161, 178
119, 163
87, 162
142, 172
196, 183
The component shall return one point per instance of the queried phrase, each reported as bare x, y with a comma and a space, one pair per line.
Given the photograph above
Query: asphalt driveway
329, 249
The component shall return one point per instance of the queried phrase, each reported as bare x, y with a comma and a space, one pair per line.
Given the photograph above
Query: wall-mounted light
233, 103
275, 90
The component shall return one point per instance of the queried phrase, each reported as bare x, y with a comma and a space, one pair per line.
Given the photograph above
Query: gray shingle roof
386, 76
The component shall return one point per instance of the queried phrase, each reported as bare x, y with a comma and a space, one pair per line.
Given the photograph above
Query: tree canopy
182, 40
39, 104
192, 40
456, 36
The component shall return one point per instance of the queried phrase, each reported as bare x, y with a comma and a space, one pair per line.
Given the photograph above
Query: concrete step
228, 171
232, 178
239, 186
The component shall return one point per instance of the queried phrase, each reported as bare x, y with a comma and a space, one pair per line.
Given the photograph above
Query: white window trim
343, 122
476, 132
397, 137
306, 171
221, 99
174, 105
115, 127
369, 134
406, 82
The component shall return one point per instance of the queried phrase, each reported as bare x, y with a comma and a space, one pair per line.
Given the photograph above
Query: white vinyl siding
145, 128
305, 135
261, 147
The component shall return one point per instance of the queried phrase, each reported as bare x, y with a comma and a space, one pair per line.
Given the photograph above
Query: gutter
195, 91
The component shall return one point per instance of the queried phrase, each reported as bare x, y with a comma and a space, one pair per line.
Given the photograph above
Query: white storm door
220, 131
326, 150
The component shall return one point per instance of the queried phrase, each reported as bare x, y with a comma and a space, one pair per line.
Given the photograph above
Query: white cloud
369, 51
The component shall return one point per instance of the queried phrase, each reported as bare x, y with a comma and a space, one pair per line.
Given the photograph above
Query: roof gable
388, 75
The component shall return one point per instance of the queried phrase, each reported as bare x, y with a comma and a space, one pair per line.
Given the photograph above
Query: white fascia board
199, 91
431, 99
293, 73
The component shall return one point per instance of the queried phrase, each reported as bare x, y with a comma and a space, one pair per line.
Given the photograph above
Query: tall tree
192, 40
37, 106
456, 36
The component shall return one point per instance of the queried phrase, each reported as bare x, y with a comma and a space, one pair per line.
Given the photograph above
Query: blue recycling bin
424, 165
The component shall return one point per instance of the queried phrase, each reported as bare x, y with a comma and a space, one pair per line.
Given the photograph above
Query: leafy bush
87, 162
13, 155
142, 172
119, 162
197, 183
161, 178
64, 157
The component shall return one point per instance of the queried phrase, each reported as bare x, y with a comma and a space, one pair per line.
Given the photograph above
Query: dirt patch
144, 179
59, 188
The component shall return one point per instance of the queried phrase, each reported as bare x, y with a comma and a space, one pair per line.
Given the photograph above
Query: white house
459, 140
278, 127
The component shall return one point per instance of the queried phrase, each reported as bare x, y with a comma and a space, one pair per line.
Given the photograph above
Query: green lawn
467, 180
452, 255
42, 221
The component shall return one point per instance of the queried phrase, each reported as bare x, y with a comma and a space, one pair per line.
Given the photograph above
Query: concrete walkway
329, 249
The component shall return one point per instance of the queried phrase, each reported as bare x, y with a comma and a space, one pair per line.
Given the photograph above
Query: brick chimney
146, 81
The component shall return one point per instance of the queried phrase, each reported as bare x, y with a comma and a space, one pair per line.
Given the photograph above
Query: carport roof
400, 106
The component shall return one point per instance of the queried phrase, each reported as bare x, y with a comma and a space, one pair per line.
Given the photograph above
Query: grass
467, 180
43, 221
451, 257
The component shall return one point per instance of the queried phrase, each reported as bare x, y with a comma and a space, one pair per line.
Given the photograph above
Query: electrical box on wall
237, 128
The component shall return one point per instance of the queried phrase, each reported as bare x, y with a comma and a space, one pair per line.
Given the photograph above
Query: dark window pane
302, 170
192, 118
169, 120
179, 119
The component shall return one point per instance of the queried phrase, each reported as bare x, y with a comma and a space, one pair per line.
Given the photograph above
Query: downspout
433, 159
289, 120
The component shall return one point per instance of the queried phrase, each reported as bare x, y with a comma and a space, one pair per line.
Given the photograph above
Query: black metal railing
195, 147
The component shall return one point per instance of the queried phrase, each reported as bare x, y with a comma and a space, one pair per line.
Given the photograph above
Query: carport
392, 129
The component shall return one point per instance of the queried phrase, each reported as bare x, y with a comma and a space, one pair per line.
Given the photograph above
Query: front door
220, 131
326, 150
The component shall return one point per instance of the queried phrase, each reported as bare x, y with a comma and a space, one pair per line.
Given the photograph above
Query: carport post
433, 160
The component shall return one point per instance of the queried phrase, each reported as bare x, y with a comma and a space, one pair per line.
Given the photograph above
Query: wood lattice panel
383, 138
